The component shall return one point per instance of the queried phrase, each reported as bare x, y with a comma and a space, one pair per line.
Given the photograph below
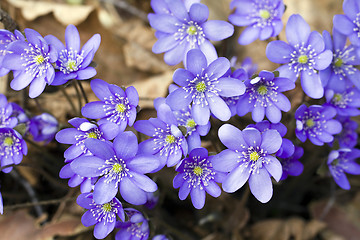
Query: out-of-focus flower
43, 127
137, 228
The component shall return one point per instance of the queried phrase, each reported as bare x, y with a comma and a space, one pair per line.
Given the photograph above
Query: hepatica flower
184, 29
74, 61
83, 129
262, 18
316, 123
31, 62
115, 105
12, 148
167, 141
263, 96
249, 157
43, 127
6, 111
136, 228
345, 102
7, 37
291, 165
304, 55
203, 85
341, 73
347, 138
343, 161
349, 23
103, 216
119, 168
196, 177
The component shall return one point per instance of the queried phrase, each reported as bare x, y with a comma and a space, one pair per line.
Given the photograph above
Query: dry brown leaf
66, 14
19, 226
142, 59
152, 88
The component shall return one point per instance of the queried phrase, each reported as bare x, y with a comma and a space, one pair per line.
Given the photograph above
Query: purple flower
262, 17
249, 157
161, 6
316, 123
12, 148
343, 161
263, 97
203, 85
303, 55
152, 199
76, 137
119, 167
345, 102
7, 37
31, 62
6, 111
73, 61
19, 113
160, 237
115, 105
196, 177
43, 127
192, 130
1, 205
291, 165
247, 65
167, 141
349, 24
137, 228
340, 74
103, 216
182, 29
347, 138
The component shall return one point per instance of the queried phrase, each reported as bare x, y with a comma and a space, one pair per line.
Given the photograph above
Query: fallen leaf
20, 225
65, 13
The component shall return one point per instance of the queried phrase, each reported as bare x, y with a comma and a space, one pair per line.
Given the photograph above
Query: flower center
192, 30
265, 14
262, 90
310, 123
338, 62
198, 171
190, 123
303, 59
117, 168
200, 87
92, 135
170, 139
8, 141
39, 59
120, 108
71, 65
106, 207
254, 156
337, 97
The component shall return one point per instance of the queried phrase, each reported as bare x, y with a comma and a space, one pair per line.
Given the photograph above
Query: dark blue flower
19, 113
181, 29
12, 148
247, 65
263, 96
115, 105
304, 55
349, 23
103, 216
197, 177
249, 157
73, 61
119, 168
203, 85
136, 228
31, 62
291, 164
316, 123
343, 161
262, 18
43, 127
348, 136
341, 73
167, 141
